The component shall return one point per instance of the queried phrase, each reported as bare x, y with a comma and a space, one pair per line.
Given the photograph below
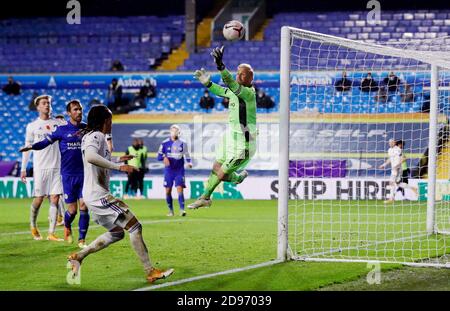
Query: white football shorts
110, 212
396, 175
47, 182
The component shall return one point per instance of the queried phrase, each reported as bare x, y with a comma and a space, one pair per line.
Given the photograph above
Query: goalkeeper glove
217, 53
203, 77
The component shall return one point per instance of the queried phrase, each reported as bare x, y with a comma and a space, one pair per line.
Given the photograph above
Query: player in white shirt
46, 167
395, 160
404, 180
108, 211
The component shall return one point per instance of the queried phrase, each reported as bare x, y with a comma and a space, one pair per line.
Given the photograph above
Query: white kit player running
395, 160
108, 211
46, 167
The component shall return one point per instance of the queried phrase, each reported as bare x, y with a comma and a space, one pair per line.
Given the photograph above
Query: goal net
342, 195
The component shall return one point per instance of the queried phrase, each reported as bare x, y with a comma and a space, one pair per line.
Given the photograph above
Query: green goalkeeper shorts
235, 152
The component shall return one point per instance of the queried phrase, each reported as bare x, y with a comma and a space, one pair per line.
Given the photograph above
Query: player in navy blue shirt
173, 152
71, 169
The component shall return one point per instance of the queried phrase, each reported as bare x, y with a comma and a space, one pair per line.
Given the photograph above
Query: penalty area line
208, 276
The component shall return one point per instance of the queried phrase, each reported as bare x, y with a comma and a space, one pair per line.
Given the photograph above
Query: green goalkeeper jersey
242, 106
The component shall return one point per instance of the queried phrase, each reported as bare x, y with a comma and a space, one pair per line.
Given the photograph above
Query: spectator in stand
382, 95
368, 84
344, 84
12, 87
225, 102
392, 82
117, 66
426, 103
148, 90
206, 101
264, 101
408, 94
114, 95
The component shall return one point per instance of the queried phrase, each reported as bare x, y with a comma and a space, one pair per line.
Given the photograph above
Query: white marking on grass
314, 257
366, 247
147, 222
207, 276
404, 263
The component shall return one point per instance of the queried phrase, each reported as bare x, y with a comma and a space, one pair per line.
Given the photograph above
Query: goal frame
283, 250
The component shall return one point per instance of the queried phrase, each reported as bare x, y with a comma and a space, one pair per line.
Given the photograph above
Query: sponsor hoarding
186, 79
260, 188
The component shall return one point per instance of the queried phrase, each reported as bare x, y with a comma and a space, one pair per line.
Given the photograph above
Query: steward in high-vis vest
142, 154
133, 178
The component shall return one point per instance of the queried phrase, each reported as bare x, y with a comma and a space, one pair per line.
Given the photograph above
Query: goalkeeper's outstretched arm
242, 86
205, 79
217, 89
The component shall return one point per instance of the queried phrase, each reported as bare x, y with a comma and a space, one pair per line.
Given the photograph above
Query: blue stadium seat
113, 37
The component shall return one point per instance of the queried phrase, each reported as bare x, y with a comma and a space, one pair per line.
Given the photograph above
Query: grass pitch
230, 234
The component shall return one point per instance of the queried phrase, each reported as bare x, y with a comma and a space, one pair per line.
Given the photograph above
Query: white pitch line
146, 222
97, 226
207, 276
366, 246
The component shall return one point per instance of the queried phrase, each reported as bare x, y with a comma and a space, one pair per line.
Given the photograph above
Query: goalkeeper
238, 143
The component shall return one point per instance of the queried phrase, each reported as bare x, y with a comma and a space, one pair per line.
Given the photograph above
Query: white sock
61, 208
34, 212
53, 214
101, 242
139, 246
393, 191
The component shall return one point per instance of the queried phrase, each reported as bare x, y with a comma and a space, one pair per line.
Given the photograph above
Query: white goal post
355, 224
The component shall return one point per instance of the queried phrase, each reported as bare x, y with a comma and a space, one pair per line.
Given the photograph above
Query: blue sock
83, 225
181, 201
169, 201
68, 219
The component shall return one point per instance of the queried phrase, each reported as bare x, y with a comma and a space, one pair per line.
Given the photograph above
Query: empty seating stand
52, 45
265, 55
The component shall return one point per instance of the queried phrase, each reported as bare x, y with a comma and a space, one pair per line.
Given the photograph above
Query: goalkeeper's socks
83, 225
169, 201
68, 219
181, 201
213, 182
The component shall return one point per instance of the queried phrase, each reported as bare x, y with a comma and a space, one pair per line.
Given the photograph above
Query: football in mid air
233, 31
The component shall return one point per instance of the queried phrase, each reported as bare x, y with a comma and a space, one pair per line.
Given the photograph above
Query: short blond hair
37, 99
248, 66
250, 69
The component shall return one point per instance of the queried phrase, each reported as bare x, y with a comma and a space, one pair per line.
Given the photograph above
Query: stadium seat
113, 37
